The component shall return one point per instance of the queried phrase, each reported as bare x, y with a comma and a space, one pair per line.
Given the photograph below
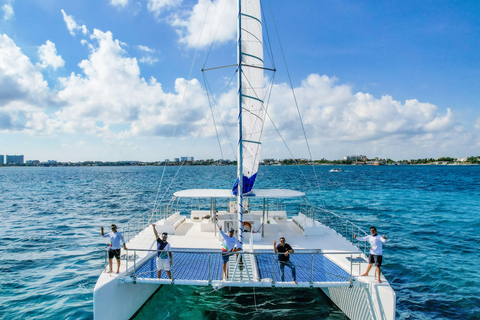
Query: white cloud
7, 11
158, 6
477, 123
48, 56
109, 93
208, 21
22, 86
121, 3
333, 113
72, 25
148, 60
146, 49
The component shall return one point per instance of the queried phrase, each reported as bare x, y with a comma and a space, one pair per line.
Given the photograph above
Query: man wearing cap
230, 244
114, 250
164, 256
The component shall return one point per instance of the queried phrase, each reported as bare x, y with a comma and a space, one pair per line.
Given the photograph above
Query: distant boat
324, 252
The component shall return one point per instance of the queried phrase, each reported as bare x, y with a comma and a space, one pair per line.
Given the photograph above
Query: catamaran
324, 252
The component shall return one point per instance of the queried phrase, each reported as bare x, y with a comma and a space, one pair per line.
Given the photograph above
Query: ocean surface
52, 252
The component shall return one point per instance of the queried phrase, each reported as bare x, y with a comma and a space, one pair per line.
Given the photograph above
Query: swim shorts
114, 253
375, 259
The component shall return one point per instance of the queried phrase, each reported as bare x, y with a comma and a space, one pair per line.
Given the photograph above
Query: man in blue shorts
230, 244
375, 255
114, 250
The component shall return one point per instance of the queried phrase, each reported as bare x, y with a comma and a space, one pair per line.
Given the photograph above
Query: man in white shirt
114, 251
375, 255
230, 244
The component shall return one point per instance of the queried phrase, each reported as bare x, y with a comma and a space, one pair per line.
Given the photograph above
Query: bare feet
295, 282
363, 275
118, 272
379, 281
109, 271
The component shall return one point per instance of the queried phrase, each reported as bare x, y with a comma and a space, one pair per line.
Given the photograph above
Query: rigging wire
281, 137
181, 105
213, 118
294, 96
207, 86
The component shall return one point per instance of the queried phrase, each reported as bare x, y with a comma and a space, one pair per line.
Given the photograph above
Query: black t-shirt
282, 250
160, 246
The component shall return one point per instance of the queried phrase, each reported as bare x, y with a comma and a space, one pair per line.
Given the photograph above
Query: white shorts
163, 264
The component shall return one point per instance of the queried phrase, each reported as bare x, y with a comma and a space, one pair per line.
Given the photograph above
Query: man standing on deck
230, 244
114, 251
375, 255
164, 259
284, 258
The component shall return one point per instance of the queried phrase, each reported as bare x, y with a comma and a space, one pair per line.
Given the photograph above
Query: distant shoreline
217, 164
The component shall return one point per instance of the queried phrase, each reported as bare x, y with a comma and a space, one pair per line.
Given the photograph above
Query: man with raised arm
284, 258
230, 244
164, 256
375, 255
114, 250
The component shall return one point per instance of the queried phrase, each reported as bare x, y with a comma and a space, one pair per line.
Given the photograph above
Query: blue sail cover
252, 111
247, 184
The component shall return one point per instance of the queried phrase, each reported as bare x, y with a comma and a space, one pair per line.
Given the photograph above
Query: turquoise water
51, 249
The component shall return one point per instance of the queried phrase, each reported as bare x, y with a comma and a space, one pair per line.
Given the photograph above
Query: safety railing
204, 267
145, 219
342, 226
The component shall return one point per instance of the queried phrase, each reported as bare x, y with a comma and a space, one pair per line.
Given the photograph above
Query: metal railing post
209, 270
105, 251
171, 271
311, 273
134, 266
273, 273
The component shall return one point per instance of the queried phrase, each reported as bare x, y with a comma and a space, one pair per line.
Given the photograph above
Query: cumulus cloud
159, 6
148, 57
72, 25
7, 11
207, 22
334, 112
22, 86
48, 56
121, 3
111, 91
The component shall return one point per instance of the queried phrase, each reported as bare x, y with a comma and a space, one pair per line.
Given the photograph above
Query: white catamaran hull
333, 263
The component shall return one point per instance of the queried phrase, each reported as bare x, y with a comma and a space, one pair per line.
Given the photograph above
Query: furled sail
251, 90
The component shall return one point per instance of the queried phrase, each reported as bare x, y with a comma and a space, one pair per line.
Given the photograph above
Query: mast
240, 145
251, 113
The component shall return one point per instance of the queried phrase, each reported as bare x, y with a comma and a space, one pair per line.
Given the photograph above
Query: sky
114, 80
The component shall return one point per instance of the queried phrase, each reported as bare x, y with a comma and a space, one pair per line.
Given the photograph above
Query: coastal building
183, 159
16, 159
33, 162
191, 159
2, 159
355, 158
176, 159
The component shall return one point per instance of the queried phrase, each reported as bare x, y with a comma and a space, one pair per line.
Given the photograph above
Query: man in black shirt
284, 258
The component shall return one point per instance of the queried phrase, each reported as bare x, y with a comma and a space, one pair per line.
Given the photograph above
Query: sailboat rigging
323, 241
